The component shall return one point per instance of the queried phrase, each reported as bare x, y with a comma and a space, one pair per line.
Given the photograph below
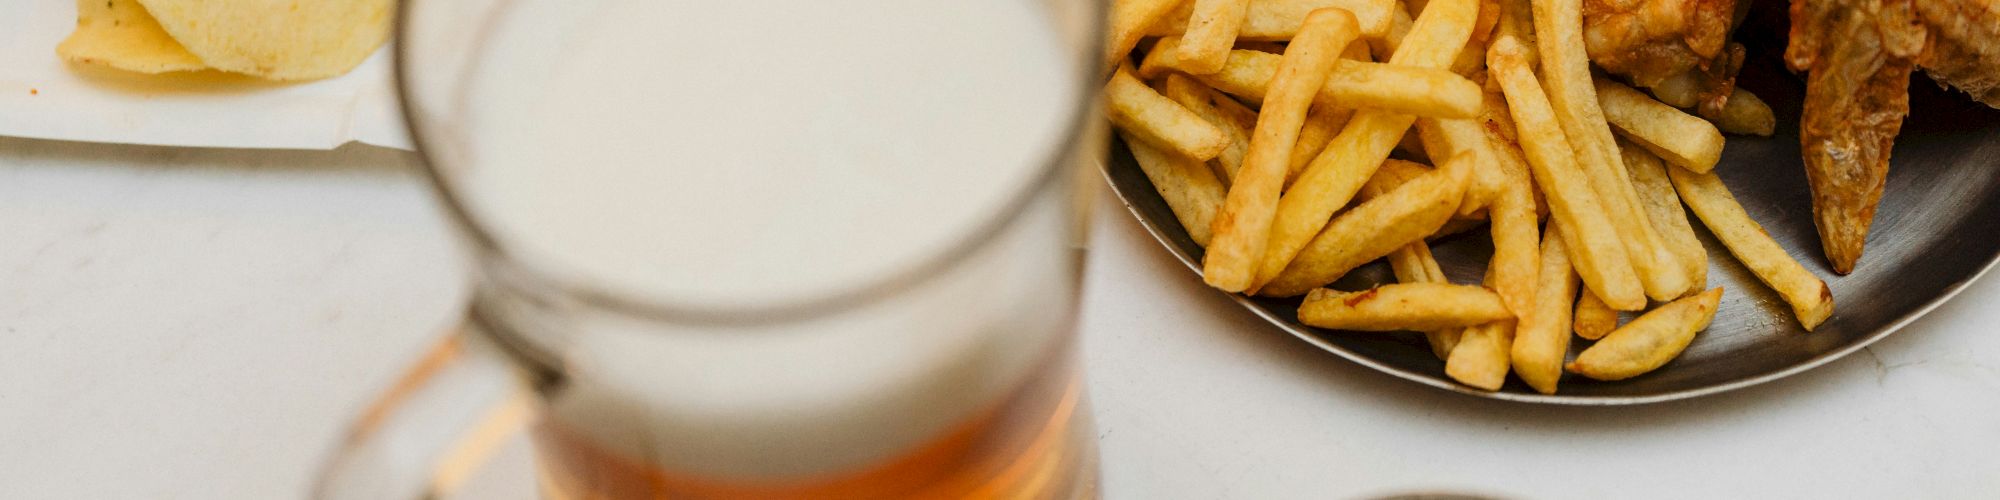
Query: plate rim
1153, 229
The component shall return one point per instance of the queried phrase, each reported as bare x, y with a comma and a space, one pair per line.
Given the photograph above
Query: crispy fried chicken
1647, 41
1964, 45
1858, 56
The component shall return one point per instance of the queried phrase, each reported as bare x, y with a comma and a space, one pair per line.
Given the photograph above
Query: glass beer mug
750, 248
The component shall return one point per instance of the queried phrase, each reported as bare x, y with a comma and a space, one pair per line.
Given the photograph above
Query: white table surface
179, 323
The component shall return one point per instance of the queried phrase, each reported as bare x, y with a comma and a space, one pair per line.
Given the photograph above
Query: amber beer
780, 249
1034, 444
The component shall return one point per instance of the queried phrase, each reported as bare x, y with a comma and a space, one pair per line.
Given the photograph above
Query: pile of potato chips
1267, 126
296, 40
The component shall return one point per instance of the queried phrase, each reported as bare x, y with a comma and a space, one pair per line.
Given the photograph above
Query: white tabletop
179, 323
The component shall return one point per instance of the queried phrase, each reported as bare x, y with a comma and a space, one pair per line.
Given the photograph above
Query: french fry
1517, 21
1332, 179
1480, 359
1656, 193
1516, 246
1129, 21
1352, 84
1650, 341
1493, 111
1593, 318
1321, 125
1403, 306
1211, 33
1680, 91
1811, 300
1392, 174
1279, 20
1151, 117
1542, 339
1483, 353
1680, 138
1747, 115
1400, 24
1599, 256
1241, 231
1245, 118
1418, 91
1375, 228
1449, 137
1566, 76
1414, 264
1198, 98
1189, 188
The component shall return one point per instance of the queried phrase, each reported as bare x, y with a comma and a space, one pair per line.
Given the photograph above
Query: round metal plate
1938, 228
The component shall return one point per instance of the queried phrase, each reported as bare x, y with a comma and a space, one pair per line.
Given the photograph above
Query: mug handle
433, 428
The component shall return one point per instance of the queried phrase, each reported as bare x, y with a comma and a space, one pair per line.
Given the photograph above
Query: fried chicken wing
1964, 45
1647, 41
1857, 55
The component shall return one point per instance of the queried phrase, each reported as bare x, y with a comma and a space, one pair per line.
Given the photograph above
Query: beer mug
750, 249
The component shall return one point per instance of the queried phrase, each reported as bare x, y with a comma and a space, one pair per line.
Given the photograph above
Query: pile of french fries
1268, 128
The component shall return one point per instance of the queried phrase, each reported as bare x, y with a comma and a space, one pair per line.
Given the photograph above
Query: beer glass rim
891, 284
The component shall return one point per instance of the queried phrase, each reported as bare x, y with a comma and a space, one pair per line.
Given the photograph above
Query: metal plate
1937, 229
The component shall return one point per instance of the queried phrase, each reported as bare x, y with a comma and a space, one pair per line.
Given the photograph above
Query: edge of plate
1104, 170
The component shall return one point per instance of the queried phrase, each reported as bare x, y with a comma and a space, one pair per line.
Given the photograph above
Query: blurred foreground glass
751, 249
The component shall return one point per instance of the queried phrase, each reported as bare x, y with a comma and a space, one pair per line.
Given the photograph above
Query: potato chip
294, 40
121, 34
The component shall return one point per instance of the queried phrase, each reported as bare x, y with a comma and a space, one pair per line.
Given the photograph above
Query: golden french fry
1680, 91
1241, 231
1593, 318
1512, 272
1480, 358
1244, 116
1542, 339
1680, 138
1599, 256
1332, 178
1321, 125
1448, 137
1129, 20
1649, 341
1811, 300
1151, 117
1198, 98
1211, 32
1471, 62
1517, 21
1400, 24
1656, 193
1392, 174
1189, 188
1493, 112
1746, 114
1352, 84
1279, 20
1403, 306
1414, 264
1566, 76
1418, 91
1375, 228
